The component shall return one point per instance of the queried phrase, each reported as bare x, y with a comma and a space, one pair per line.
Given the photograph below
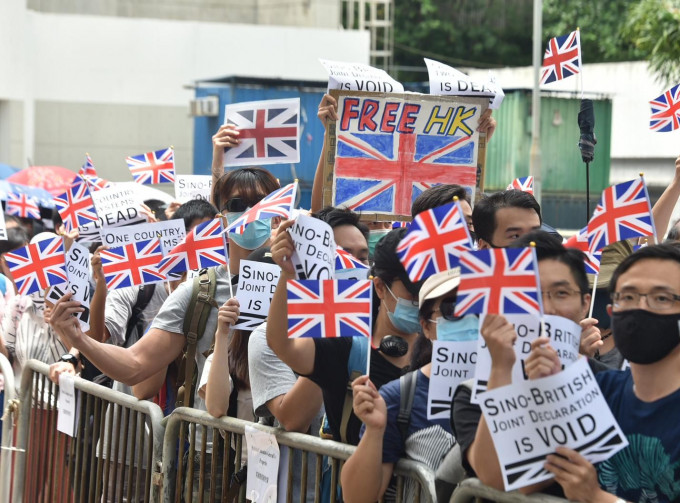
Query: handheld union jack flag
329, 308
268, 132
666, 111
38, 266
345, 260
88, 168
434, 241
133, 264
580, 242
525, 184
562, 58
386, 172
202, 247
21, 205
499, 281
153, 167
277, 204
624, 212
75, 206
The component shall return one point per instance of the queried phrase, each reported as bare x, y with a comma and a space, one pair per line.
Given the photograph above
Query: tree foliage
654, 28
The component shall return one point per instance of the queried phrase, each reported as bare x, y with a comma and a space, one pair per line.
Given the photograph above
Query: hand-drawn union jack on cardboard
268, 132
392, 147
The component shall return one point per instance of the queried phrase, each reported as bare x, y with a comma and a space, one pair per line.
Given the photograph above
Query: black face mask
645, 337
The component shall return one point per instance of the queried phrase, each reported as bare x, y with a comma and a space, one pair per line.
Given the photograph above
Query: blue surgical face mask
405, 315
373, 237
464, 329
255, 234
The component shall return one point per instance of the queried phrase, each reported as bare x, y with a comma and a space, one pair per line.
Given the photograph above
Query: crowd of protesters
308, 385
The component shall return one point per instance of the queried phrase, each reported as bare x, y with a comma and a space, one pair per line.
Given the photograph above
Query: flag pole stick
587, 192
592, 297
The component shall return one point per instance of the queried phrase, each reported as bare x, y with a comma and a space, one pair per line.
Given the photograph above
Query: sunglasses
237, 205
447, 308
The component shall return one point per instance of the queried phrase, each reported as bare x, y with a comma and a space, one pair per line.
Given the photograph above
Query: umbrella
43, 198
54, 179
7, 170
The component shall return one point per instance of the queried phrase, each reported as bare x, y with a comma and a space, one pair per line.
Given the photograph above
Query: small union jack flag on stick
499, 281
434, 241
624, 212
279, 203
525, 184
21, 205
562, 58
153, 167
202, 247
133, 264
580, 242
38, 266
329, 308
666, 111
88, 168
75, 206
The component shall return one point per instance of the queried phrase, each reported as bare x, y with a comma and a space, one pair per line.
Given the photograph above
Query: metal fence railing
8, 413
471, 490
113, 455
199, 473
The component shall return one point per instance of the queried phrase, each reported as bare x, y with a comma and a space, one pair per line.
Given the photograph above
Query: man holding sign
645, 400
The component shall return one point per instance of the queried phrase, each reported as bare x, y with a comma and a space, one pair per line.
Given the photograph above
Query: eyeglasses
447, 308
237, 205
560, 294
659, 300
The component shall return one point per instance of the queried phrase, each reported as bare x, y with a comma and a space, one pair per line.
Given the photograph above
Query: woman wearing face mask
367, 473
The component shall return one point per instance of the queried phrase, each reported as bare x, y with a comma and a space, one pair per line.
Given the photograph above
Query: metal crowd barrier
193, 472
8, 414
113, 456
472, 489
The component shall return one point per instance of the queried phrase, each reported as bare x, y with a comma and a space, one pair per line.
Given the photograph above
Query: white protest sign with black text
3, 227
256, 284
528, 420
68, 404
78, 272
314, 256
445, 80
359, 77
564, 334
263, 465
189, 187
452, 363
170, 232
116, 206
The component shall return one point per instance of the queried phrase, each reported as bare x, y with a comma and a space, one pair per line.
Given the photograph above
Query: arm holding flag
663, 209
226, 137
328, 111
298, 353
98, 303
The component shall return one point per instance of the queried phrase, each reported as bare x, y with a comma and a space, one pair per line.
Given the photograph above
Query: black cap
386, 263
262, 254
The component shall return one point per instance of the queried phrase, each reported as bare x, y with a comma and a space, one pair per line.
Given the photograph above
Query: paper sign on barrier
564, 334
68, 405
263, 466
314, 256
529, 419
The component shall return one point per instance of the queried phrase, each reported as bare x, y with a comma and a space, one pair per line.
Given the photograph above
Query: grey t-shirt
269, 378
118, 310
171, 319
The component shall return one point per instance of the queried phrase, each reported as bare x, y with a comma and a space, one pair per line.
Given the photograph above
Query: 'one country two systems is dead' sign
530, 419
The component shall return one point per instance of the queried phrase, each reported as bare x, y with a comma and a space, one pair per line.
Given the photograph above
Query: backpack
201, 303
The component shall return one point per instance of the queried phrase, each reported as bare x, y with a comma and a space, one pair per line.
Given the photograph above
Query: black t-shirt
330, 373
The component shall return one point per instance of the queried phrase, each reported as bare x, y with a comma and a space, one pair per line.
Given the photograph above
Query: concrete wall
310, 13
115, 86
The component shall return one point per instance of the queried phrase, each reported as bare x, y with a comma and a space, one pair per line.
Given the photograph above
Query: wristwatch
69, 358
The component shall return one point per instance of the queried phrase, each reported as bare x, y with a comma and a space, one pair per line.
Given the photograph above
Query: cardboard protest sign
256, 284
314, 256
386, 149
268, 132
359, 77
452, 363
263, 466
445, 80
170, 233
188, 187
116, 207
564, 334
529, 419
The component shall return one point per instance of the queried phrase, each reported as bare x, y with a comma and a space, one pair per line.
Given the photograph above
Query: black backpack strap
407, 391
144, 295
